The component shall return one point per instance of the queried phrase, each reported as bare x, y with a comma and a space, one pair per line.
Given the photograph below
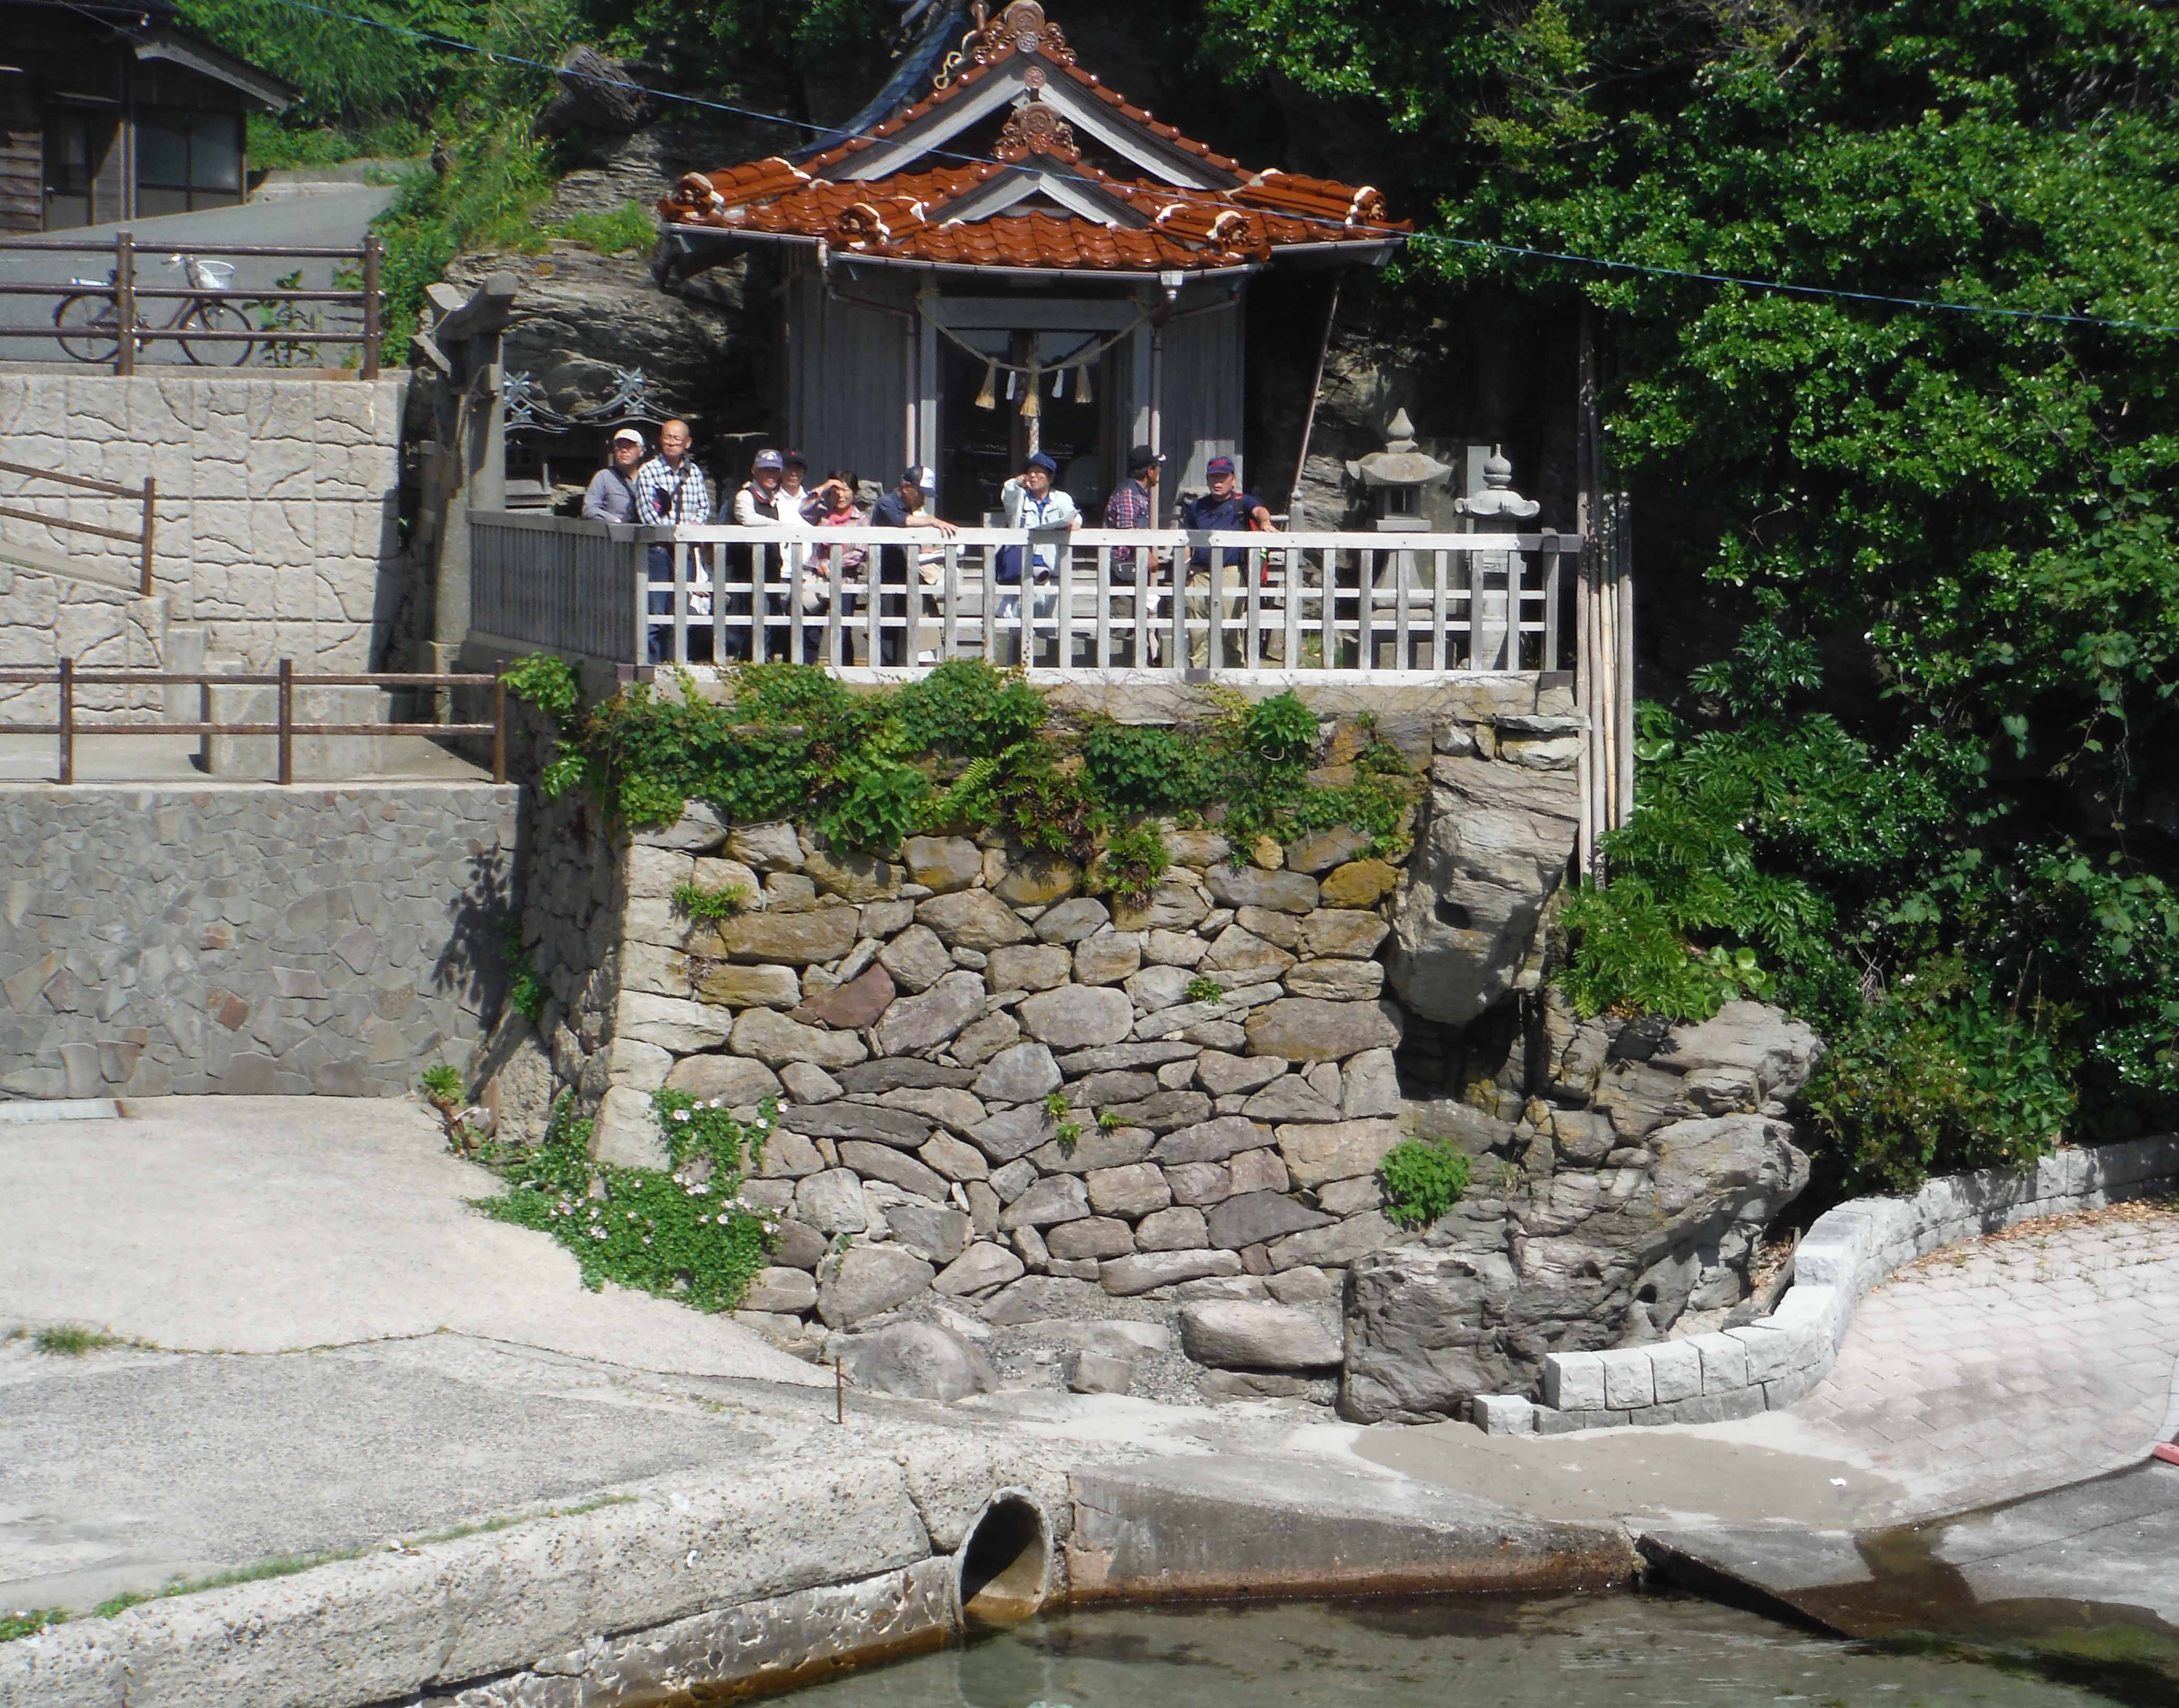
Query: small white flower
722, 1218
646, 1239
717, 1103
597, 1234
631, 1216
701, 1189
680, 1114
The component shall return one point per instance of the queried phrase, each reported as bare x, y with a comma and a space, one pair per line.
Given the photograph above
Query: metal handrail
147, 495
69, 678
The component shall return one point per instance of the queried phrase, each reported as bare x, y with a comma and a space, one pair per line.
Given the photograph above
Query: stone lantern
1497, 508
1394, 479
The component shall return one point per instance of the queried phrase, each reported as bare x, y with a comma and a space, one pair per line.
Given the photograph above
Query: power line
1426, 238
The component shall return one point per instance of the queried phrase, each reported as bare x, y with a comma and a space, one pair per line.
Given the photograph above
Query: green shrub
1134, 860
1421, 1179
966, 709
1145, 767
442, 1085
28, 1622
1201, 988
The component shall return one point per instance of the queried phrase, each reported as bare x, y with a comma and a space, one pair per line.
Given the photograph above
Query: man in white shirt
1032, 502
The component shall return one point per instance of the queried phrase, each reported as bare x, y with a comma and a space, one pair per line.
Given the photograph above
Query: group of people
669, 488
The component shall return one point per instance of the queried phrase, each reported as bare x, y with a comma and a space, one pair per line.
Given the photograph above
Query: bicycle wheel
217, 353
88, 327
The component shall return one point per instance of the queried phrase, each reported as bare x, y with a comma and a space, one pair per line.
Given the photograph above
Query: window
186, 160
79, 189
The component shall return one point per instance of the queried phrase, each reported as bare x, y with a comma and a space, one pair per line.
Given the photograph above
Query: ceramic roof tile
901, 215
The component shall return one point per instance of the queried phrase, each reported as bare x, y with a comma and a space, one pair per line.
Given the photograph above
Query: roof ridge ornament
1033, 128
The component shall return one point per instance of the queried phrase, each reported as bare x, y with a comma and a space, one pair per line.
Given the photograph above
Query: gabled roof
918, 188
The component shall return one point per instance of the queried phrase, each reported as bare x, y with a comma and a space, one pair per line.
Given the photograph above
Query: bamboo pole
1624, 674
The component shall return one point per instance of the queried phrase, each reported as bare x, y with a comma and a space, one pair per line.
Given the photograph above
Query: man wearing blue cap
907, 506
1225, 506
1032, 500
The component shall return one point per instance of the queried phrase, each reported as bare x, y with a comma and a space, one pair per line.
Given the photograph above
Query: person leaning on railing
1032, 500
907, 506
832, 505
611, 496
1133, 505
670, 490
765, 500
1224, 509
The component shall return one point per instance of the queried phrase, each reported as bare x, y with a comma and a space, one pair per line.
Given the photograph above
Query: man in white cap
612, 494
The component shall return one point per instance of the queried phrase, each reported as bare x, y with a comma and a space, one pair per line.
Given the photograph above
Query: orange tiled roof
903, 215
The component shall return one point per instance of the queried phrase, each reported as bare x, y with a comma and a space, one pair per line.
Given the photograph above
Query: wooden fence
1395, 604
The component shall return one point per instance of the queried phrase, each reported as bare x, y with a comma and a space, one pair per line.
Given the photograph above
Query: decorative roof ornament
1401, 463
1498, 497
1033, 128
1021, 28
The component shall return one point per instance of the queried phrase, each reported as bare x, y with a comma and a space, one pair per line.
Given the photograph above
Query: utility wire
1422, 238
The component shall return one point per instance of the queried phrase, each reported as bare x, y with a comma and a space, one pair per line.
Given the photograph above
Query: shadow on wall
484, 920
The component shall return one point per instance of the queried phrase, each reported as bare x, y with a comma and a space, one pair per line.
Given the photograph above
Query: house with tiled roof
1020, 259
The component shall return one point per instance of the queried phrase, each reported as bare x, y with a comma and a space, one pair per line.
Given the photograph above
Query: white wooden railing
1403, 605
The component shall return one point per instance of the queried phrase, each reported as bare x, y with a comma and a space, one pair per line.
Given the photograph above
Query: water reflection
1663, 1651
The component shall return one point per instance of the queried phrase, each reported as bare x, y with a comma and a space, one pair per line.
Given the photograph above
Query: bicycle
89, 322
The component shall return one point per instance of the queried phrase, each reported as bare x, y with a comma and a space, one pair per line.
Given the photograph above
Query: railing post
287, 720
124, 301
498, 731
150, 495
373, 254
68, 720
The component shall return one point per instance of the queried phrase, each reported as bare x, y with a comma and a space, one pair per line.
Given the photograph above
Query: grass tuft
72, 1340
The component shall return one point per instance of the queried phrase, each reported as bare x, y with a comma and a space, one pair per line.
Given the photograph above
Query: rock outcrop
1636, 1190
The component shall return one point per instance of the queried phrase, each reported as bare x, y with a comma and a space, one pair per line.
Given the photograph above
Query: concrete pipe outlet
1006, 1563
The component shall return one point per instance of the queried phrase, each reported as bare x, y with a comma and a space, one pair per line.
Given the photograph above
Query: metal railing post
498, 731
68, 720
151, 496
287, 720
373, 254
124, 301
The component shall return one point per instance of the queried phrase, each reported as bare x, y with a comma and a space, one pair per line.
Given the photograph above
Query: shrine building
1020, 259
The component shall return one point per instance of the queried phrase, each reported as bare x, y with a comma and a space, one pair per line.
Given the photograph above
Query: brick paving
2013, 1364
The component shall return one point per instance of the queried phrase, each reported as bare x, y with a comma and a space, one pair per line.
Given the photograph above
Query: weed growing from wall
1422, 1179
682, 1232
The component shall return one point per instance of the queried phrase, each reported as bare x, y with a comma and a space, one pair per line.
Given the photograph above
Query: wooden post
150, 495
498, 730
1623, 709
373, 255
68, 720
287, 720
124, 301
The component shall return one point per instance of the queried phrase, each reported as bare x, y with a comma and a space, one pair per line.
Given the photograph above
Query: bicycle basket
217, 275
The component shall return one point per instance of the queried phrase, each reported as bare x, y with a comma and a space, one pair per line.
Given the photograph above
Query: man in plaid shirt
670, 488
1133, 505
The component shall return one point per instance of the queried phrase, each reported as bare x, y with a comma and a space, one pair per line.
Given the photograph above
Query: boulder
796, 1245
787, 939
1076, 1017
1159, 986
953, 1159
776, 1041
734, 1080
1114, 1056
1096, 1148
957, 1111
942, 864
1305, 1028
1427, 1330
915, 1361
1029, 967
1319, 851
1337, 980
1257, 1171
1290, 1098
982, 1266
1210, 1141
1360, 884
1765, 1043
772, 848
1176, 905
1094, 1236
1257, 1218
1013, 1134
671, 1023
921, 1021
1037, 881
936, 1233
1163, 1112
1369, 1086
778, 1289
972, 920
1125, 1276
1491, 849
1107, 957
981, 1040
1243, 1334
1335, 1151
1337, 1245
830, 1202
1021, 1073
1224, 1075
787, 1155
1056, 1198
855, 877
875, 1161
1340, 933
1281, 891
1105, 1090
1180, 1228
698, 831
916, 960
852, 1006
871, 1078
867, 1280
1172, 948
626, 1131
1091, 1371
1133, 1191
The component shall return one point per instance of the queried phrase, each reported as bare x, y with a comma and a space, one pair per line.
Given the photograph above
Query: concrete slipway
605, 1498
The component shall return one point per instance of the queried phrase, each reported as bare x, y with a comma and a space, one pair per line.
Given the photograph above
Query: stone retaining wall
1774, 1360
247, 938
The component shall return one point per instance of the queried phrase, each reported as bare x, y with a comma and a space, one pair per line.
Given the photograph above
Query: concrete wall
277, 503
247, 938
48, 611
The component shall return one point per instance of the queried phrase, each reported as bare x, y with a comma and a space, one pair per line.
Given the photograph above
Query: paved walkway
2013, 1364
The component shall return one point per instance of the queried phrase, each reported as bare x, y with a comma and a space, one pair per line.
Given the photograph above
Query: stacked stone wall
247, 938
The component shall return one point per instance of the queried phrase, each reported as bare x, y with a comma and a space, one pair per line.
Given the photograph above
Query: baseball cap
1219, 466
628, 436
920, 475
768, 459
1037, 459
1143, 456
795, 459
